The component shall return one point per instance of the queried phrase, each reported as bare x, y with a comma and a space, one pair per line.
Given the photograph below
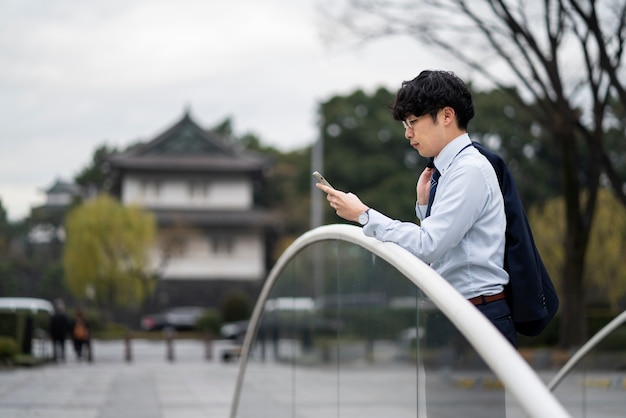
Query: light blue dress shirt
463, 238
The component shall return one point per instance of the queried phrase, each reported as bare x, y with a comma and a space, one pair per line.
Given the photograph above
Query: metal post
169, 344
208, 346
317, 214
128, 352
317, 163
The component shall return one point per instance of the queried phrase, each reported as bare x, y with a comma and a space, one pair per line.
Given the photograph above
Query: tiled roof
64, 187
187, 147
185, 163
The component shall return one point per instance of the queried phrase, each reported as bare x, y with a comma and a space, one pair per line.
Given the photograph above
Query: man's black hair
431, 91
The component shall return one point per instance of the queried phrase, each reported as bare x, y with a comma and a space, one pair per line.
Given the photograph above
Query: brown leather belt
483, 300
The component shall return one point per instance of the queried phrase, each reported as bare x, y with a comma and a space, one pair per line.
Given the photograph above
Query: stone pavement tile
217, 412
46, 412
204, 392
149, 387
131, 394
191, 412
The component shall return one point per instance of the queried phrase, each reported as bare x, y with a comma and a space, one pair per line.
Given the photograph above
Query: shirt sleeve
461, 197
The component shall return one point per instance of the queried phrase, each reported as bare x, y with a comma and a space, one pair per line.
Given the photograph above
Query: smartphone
321, 179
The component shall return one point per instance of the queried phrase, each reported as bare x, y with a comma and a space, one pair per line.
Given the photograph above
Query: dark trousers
499, 314
80, 346
58, 348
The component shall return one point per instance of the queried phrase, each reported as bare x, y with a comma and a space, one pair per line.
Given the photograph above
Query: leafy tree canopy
106, 252
510, 129
366, 153
96, 175
605, 269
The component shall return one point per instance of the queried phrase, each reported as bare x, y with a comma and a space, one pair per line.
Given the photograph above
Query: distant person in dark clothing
59, 328
81, 336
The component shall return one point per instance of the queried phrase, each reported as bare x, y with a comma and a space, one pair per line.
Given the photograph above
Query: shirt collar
449, 152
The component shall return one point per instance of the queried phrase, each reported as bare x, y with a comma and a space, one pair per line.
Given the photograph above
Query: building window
222, 244
198, 190
150, 188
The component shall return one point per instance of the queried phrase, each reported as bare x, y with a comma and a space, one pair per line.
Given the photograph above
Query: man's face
425, 135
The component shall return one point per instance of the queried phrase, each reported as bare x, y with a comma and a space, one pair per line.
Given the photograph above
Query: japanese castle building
213, 239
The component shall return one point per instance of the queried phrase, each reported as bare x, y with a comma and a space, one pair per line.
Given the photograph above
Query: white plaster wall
200, 262
224, 194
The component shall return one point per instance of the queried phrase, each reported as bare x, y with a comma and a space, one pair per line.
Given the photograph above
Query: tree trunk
573, 328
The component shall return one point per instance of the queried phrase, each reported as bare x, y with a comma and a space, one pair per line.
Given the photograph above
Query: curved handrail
589, 345
519, 379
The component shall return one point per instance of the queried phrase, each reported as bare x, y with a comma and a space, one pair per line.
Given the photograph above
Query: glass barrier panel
344, 334
596, 387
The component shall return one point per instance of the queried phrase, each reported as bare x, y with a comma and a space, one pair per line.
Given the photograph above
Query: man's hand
346, 205
423, 186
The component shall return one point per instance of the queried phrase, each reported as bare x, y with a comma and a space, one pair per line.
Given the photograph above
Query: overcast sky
76, 75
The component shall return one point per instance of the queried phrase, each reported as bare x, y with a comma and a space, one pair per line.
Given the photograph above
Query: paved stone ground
149, 386
191, 386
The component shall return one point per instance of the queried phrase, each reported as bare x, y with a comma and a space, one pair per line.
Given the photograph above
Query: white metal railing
517, 376
585, 349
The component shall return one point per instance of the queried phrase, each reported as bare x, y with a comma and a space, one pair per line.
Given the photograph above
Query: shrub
110, 331
236, 307
8, 349
210, 322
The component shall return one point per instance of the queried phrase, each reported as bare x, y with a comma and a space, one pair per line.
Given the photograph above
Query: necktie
433, 189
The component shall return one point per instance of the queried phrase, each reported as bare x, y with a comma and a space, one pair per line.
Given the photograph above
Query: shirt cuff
377, 223
420, 211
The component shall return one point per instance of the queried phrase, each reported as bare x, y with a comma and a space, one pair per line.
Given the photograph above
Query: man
59, 326
462, 228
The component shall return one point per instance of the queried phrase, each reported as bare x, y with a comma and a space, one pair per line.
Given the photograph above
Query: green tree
606, 264
236, 307
366, 153
4, 222
289, 190
566, 57
224, 127
51, 284
250, 141
605, 270
106, 252
510, 129
17, 267
5, 234
95, 177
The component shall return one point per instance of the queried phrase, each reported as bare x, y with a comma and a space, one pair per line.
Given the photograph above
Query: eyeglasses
408, 124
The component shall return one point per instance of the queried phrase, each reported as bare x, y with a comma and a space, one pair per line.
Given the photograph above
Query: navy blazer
530, 292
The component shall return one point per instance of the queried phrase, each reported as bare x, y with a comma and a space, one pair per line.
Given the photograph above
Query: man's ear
449, 115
